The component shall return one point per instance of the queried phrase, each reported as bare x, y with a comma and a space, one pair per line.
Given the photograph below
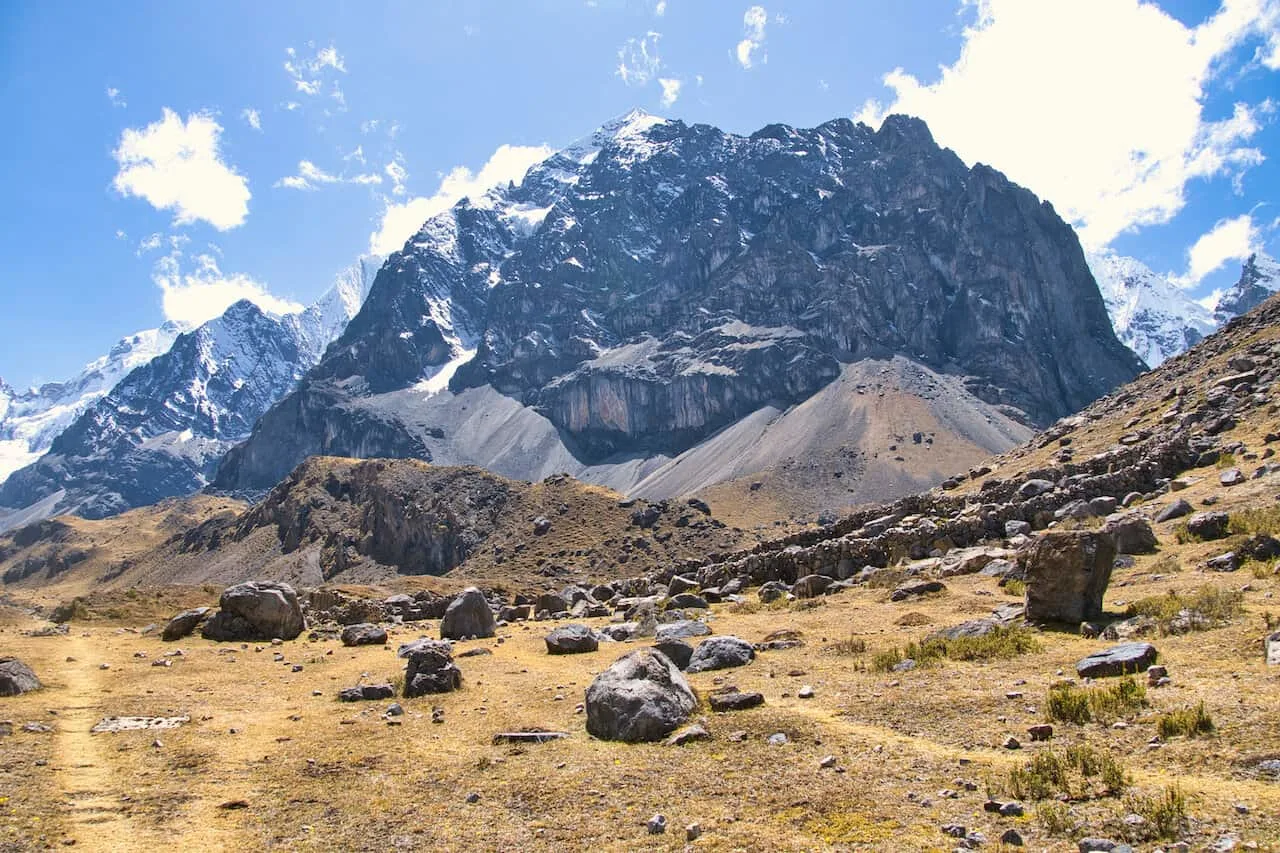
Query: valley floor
271, 760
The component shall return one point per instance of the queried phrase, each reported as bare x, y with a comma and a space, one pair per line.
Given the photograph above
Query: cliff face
657, 282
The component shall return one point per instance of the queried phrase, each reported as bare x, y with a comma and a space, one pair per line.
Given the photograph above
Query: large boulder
1208, 525
430, 668
256, 611
642, 696
682, 630
1124, 659
571, 640
720, 653
1067, 575
16, 677
469, 615
184, 623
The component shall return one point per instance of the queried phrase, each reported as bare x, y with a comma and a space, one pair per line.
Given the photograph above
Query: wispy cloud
115, 97
310, 74
638, 59
176, 165
670, 90
312, 177
252, 118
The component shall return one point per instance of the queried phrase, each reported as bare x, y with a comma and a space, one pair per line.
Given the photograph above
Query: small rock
692, 832
1011, 742
1040, 732
1012, 838
827, 761
473, 797
657, 824
805, 692
778, 739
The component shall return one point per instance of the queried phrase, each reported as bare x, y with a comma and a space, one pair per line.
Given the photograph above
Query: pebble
473, 797
778, 739
805, 692
692, 832
657, 824
1011, 742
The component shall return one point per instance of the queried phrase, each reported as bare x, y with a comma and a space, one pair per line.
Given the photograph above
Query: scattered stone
805, 692
256, 611
682, 630
364, 634
528, 737
1014, 809
688, 734
1067, 575
657, 824
692, 832
1012, 838
918, 588
686, 601
778, 739
734, 701
1040, 732
395, 709
1273, 649
478, 651
1124, 659
473, 797
571, 640
1016, 527
468, 615
1208, 525
720, 653
642, 696
828, 761
366, 693
184, 623
1011, 742
1132, 534
771, 591
430, 668
810, 586
1034, 488
1231, 477
1177, 509
955, 830
16, 677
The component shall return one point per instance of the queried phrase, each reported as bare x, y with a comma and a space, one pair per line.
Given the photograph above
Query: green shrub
1216, 606
1001, 643
1165, 813
1070, 773
850, 647
1068, 703
1015, 587
1188, 722
1255, 520
1054, 818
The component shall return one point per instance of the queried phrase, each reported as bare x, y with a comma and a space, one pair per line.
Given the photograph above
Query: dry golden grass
321, 775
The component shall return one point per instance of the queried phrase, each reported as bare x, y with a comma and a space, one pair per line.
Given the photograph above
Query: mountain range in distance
827, 316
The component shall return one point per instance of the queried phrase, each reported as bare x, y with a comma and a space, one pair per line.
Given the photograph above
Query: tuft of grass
1070, 773
1000, 644
1015, 587
1165, 813
1070, 704
1054, 818
1226, 460
1262, 519
886, 579
1216, 605
1188, 722
850, 647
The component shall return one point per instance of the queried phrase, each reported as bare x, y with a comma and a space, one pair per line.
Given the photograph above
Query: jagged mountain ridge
30, 420
162, 429
657, 283
1259, 278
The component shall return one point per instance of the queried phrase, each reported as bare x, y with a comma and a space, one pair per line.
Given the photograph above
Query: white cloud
176, 165
369, 125
1112, 134
402, 221
197, 295
638, 60
116, 99
309, 74
311, 177
753, 23
1229, 240
252, 117
661, 8
670, 90
398, 174
290, 106
149, 244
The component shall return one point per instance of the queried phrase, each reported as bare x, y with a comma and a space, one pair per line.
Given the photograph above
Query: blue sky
163, 158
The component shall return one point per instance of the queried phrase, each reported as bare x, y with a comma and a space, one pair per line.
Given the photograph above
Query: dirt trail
98, 818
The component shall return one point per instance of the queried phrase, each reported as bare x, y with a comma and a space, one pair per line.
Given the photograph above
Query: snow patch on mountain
1150, 315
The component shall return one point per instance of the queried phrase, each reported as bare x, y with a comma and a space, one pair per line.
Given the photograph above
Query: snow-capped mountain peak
1150, 315
1259, 278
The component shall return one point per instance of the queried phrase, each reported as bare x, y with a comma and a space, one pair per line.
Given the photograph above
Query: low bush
1214, 605
1000, 644
1186, 722
1068, 703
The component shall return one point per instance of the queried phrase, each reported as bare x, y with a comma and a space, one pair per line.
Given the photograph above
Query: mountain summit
661, 293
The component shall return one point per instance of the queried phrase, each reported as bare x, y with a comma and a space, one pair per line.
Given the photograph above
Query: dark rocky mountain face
651, 285
1259, 278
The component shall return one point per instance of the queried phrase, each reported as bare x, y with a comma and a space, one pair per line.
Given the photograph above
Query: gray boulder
685, 601
256, 611
1132, 534
1208, 525
678, 650
430, 668
1034, 488
366, 693
682, 630
1067, 575
184, 623
771, 591
468, 615
1016, 527
733, 700
720, 653
551, 602
641, 697
811, 586
16, 677
571, 640
1124, 659
916, 588
364, 634
1177, 509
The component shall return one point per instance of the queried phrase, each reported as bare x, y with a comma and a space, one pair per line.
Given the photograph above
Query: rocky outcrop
183, 624
1067, 574
658, 281
468, 616
430, 668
